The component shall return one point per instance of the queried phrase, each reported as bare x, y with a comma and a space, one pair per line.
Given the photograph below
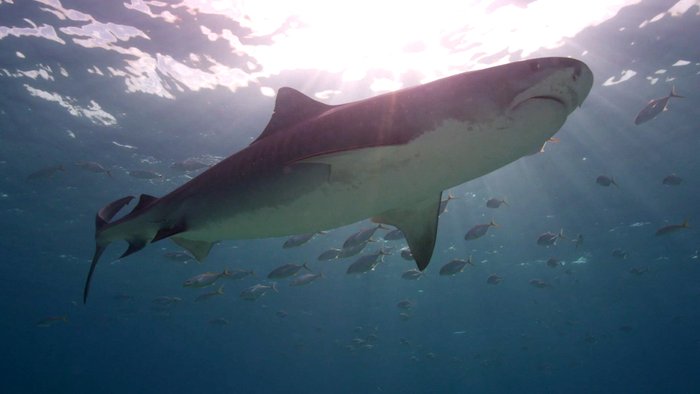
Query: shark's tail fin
102, 218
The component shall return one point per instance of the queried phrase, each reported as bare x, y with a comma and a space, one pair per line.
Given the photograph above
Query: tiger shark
317, 166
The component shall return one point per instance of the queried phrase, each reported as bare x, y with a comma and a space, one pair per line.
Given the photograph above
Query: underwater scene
485, 196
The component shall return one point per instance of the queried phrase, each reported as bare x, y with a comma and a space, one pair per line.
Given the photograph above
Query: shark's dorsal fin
419, 225
291, 108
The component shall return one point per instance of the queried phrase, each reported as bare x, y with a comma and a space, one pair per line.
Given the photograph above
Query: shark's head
514, 108
558, 81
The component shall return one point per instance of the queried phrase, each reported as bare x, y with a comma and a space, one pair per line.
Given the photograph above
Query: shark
317, 166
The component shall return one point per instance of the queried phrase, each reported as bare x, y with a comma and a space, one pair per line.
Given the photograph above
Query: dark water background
598, 327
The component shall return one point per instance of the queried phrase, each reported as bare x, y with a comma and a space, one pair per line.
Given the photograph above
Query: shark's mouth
553, 98
547, 98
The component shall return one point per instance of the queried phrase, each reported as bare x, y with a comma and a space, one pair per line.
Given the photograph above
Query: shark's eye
535, 66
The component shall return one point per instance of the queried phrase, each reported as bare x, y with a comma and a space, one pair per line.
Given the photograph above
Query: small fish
183, 257
553, 262
218, 322
298, 240
207, 296
330, 254
672, 180
93, 166
123, 297
455, 266
638, 271
361, 236
496, 202
281, 314
539, 283
205, 279
443, 204
405, 304
619, 253
604, 180
394, 235
166, 300
44, 173
479, 230
254, 292
412, 274
406, 254
578, 241
366, 263
189, 165
305, 279
655, 107
494, 279
547, 239
144, 174
287, 270
238, 274
352, 250
672, 228
51, 320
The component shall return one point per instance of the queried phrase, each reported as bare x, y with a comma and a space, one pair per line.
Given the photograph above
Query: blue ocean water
142, 85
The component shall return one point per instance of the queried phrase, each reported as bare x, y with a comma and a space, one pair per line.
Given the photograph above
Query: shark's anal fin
107, 212
419, 225
198, 249
98, 252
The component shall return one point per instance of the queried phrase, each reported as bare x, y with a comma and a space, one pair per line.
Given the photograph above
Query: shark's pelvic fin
419, 225
198, 249
292, 107
107, 212
169, 231
134, 246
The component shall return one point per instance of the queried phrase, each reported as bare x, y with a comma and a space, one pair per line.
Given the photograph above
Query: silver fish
606, 181
93, 166
298, 240
455, 266
361, 237
145, 174
205, 279
305, 279
479, 230
655, 107
672, 228
547, 239
254, 292
366, 263
412, 274
672, 180
189, 165
287, 270
496, 202
211, 294
494, 279
44, 173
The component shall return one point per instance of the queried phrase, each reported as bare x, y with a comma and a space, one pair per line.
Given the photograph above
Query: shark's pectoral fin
198, 249
419, 225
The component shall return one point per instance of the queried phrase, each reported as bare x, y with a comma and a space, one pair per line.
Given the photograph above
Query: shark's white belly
367, 182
